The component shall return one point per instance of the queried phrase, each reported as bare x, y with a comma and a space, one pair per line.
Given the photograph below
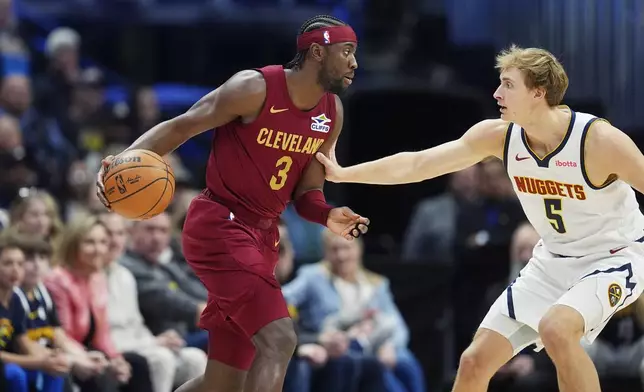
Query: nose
353, 64
497, 93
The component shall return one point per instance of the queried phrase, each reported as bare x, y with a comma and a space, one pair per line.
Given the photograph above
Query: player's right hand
333, 171
100, 186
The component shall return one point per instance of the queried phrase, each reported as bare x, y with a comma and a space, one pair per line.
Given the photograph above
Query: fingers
100, 186
323, 159
356, 230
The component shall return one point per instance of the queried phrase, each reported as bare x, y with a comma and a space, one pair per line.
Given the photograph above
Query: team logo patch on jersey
319, 123
614, 294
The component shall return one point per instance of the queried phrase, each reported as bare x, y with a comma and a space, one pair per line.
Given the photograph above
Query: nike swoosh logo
613, 251
273, 110
518, 158
277, 243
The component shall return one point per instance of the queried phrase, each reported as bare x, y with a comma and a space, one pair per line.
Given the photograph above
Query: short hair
540, 69
316, 22
33, 246
10, 239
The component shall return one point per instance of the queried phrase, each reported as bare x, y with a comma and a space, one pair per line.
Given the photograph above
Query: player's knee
561, 326
276, 340
472, 365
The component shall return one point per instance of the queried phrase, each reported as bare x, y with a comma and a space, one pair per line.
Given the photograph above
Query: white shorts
596, 285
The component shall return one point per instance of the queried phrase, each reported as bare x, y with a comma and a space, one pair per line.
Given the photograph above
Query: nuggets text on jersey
536, 186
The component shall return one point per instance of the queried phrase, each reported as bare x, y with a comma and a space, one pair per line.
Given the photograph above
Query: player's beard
329, 83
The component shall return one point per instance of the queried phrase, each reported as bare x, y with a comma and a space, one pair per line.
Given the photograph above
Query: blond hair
20, 205
540, 69
66, 252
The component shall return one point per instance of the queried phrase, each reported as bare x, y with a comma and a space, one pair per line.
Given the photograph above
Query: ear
539, 92
317, 52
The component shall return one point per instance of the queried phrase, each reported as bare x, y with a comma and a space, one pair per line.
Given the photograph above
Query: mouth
502, 109
348, 80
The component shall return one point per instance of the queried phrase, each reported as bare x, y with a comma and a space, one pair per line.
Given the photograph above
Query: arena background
426, 73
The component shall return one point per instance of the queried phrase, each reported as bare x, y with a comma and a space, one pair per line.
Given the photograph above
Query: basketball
139, 184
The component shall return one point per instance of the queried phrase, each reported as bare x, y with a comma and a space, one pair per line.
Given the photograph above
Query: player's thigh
598, 295
517, 311
515, 335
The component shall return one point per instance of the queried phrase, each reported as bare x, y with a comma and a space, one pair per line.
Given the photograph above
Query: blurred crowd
92, 302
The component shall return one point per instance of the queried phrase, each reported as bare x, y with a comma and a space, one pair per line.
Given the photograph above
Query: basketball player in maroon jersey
269, 124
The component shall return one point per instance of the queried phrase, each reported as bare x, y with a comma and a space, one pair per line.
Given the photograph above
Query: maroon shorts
234, 254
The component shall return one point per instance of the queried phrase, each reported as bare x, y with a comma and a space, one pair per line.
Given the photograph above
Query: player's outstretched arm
241, 96
609, 154
482, 140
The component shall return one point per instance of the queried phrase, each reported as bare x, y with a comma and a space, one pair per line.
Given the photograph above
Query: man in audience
169, 297
171, 363
528, 371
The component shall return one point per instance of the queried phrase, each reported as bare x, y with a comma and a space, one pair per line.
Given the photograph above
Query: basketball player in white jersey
573, 175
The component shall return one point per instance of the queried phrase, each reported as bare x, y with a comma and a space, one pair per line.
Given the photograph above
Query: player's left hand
333, 171
346, 223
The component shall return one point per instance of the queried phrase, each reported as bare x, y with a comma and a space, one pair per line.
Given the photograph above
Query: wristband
313, 207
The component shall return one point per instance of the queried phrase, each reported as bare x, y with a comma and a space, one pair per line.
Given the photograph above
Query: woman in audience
35, 212
89, 369
78, 288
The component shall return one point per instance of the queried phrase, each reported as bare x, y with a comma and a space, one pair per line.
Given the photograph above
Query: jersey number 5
279, 180
553, 213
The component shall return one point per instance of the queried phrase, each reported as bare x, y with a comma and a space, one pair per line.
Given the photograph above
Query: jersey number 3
279, 180
553, 213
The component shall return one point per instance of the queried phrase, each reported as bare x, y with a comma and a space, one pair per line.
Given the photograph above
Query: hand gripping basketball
136, 184
100, 185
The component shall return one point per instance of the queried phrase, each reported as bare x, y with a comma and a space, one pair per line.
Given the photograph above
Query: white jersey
572, 216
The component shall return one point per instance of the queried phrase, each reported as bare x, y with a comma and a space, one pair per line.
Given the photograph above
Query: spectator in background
89, 369
169, 297
52, 151
491, 222
352, 310
312, 368
528, 371
13, 50
79, 289
483, 235
17, 168
35, 213
146, 113
171, 363
524, 239
26, 363
431, 234
54, 89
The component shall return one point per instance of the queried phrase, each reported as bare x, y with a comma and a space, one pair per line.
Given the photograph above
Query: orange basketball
139, 184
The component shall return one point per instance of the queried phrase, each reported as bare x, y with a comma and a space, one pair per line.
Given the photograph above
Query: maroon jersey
258, 165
